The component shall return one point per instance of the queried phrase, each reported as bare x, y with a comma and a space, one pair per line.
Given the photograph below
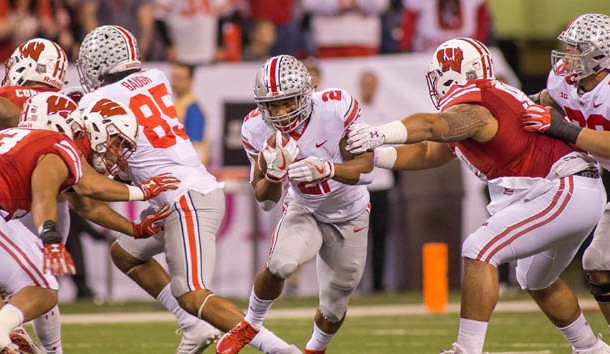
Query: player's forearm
421, 156
424, 126
596, 142
351, 171
101, 214
266, 189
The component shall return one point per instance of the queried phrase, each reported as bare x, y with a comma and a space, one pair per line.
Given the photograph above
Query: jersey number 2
155, 116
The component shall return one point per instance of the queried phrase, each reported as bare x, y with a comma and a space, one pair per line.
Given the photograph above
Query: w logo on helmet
450, 59
32, 50
60, 105
107, 108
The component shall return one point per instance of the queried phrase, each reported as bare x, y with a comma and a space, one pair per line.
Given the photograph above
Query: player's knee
282, 269
122, 259
594, 260
599, 285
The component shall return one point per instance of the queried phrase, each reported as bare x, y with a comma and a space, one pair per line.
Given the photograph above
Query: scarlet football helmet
37, 60
457, 61
113, 130
589, 34
106, 50
281, 78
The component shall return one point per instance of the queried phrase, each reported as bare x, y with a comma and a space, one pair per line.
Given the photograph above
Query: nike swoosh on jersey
597, 105
358, 229
320, 144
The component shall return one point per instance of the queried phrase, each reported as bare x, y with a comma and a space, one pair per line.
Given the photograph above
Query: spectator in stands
23, 20
262, 39
428, 23
190, 29
189, 112
342, 28
382, 180
286, 25
134, 15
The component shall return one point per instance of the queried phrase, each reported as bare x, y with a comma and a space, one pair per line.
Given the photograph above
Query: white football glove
311, 169
363, 137
279, 158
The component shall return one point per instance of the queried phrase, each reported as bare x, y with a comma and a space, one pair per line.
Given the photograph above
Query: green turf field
429, 333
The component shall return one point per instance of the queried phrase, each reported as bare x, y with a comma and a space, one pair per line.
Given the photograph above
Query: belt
589, 173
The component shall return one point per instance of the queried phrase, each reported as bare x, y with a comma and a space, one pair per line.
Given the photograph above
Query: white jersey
434, 27
589, 109
193, 27
334, 110
162, 144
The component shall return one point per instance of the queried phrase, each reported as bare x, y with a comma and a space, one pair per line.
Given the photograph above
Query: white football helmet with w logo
113, 130
106, 50
52, 111
37, 60
457, 61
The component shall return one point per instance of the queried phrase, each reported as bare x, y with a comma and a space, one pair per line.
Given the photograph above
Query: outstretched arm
418, 156
457, 123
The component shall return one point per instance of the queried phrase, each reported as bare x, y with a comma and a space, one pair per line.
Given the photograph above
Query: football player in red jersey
36, 166
579, 86
545, 196
37, 65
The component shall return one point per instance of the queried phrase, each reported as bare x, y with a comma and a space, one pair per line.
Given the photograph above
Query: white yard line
354, 311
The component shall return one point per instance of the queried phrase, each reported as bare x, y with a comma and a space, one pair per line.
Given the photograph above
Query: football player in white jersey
326, 212
546, 196
579, 86
109, 66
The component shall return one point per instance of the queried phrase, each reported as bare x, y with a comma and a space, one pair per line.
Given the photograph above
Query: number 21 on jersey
158, 116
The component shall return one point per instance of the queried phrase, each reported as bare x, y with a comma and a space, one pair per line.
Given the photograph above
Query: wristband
561, 129
48, 232
135, 193
394, 132
385, 157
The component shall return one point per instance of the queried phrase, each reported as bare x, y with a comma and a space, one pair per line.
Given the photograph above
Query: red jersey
20, 150
511, 152
19, 94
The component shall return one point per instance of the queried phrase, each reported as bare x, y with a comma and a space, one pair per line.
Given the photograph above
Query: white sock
319, 340
48, 329
168, 301
257, 309
471, 335
10, 317
579, 333
267, 342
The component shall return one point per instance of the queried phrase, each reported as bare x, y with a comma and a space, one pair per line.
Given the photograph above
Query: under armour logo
374, 134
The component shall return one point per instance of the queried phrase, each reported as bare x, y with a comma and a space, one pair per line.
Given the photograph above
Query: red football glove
57, 259
548, 121
536, 119
151, 224
153, 186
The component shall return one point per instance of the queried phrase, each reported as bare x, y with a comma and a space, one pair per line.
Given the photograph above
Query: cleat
455, 349
25, 344
237, 338
10, 349
195, 339
599, 348
311, 351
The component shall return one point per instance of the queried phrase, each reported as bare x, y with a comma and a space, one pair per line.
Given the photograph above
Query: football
272, 140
